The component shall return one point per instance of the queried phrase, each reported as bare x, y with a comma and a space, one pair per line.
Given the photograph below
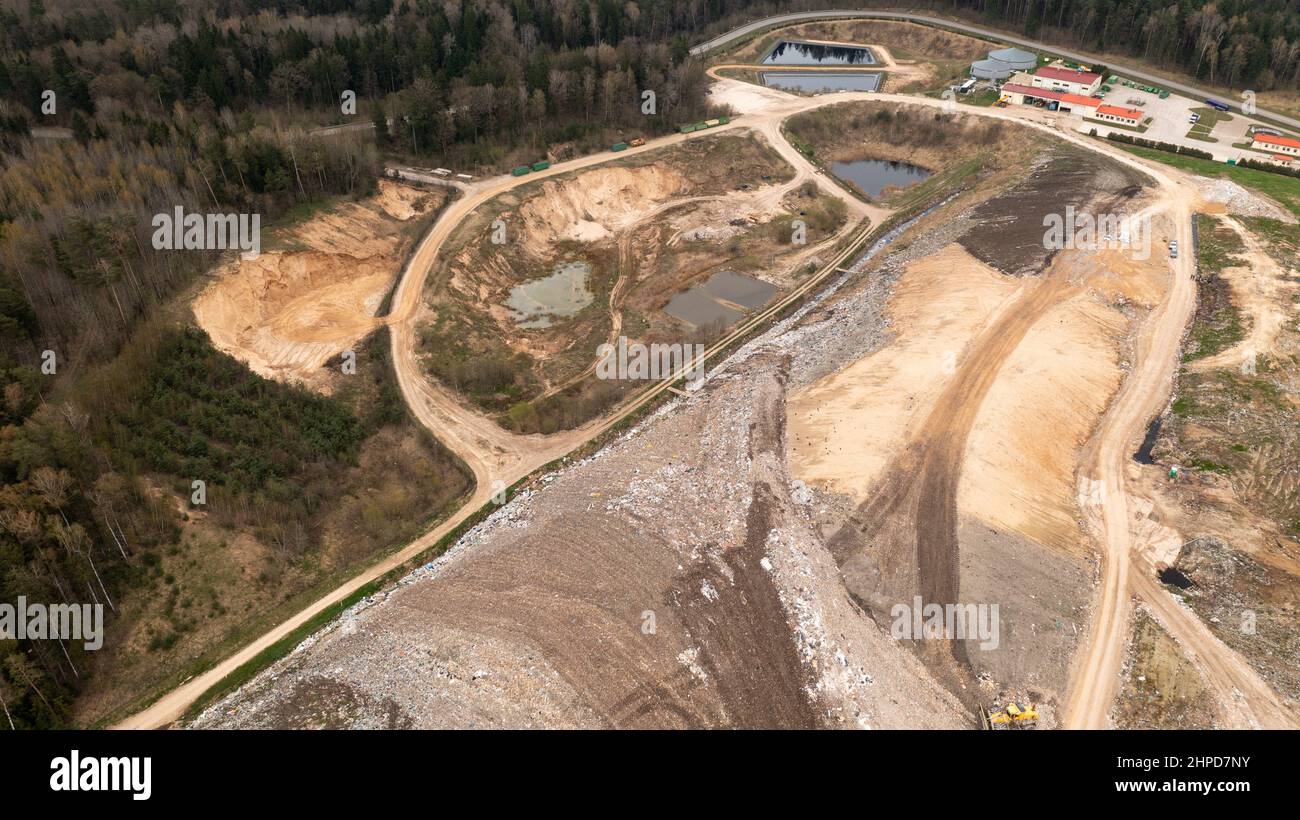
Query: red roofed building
1069, 80
1123, 116
1051, 100
1277, 145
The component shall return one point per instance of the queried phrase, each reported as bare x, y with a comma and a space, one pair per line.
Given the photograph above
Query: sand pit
847, 427
286, 313
596, 204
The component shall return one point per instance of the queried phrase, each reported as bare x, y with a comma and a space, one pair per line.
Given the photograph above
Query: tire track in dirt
917, 494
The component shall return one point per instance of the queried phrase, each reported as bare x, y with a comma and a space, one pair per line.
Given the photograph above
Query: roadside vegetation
1218, 324
1236, 421
1282, 188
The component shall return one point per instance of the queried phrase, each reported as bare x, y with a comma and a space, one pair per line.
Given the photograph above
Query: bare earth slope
669, 581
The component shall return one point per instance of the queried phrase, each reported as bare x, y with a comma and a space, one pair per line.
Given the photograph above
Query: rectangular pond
798, 52
725, 297
820, 81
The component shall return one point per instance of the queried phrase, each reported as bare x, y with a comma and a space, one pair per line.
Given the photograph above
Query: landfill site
937, 473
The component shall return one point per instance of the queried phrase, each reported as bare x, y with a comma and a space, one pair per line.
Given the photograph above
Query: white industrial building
1067, 80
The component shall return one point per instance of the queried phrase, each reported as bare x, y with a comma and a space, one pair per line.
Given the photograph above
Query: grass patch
1284, 189
1218, 323
983, 99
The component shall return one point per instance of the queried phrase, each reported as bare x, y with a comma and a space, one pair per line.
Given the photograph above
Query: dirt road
496, 455
1106, 477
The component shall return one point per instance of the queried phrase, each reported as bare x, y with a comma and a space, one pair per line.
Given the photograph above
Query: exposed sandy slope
591, 207
584, 606
1017, 476
1059, 379
287, 312
846, 427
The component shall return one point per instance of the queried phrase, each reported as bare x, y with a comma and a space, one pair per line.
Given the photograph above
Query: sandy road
1105, 478
496, 455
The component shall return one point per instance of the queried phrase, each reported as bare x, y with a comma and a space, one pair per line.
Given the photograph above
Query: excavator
1012, 716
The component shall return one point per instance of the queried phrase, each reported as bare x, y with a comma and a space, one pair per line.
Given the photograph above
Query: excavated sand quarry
287, 312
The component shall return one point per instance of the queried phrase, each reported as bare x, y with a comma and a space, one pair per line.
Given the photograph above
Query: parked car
1173, 250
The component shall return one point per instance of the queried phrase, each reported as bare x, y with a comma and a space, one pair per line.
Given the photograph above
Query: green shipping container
724, 120
618, 146
520, 171
541, 166
686, 129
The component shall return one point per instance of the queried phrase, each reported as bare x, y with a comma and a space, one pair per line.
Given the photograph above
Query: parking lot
1171, 123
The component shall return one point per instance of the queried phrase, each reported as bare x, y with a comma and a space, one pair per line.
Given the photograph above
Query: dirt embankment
671, 580
315, 289
951, 448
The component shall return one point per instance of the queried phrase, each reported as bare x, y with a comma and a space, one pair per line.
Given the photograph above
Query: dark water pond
797, 52
724, 297
871, 176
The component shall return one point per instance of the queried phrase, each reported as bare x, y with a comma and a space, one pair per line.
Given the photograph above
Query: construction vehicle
1012, 716
637, 143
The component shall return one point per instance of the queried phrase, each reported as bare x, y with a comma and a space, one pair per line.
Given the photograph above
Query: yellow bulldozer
1011, 716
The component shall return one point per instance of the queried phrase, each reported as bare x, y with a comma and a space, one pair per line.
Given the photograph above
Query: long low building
1277, 145
1076, 104
1121, 116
